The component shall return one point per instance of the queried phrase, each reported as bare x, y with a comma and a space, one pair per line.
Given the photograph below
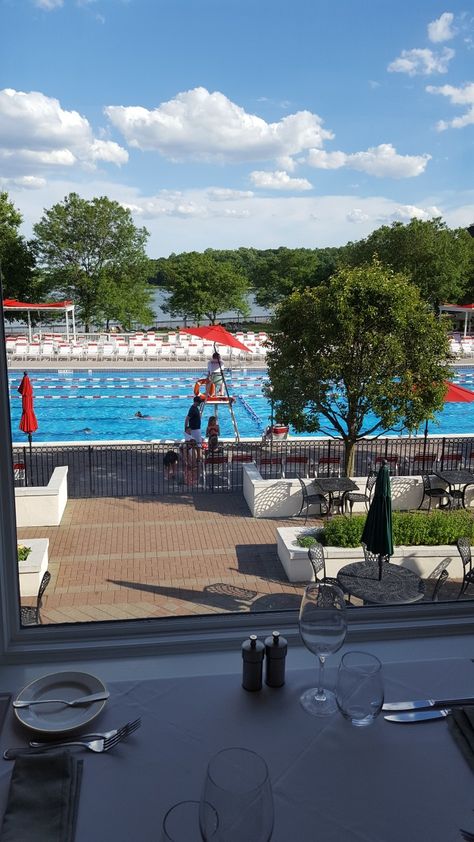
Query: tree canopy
363, 343
17, 257
200, 285
92, 251
438, 259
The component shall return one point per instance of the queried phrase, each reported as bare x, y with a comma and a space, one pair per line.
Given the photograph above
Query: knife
82, 700
426, 703
419, 715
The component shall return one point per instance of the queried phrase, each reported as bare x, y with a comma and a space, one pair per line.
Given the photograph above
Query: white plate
54, 718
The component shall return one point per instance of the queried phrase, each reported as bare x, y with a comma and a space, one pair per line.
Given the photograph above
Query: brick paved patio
128, 558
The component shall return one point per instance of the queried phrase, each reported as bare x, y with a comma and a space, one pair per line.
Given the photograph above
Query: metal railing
143, 469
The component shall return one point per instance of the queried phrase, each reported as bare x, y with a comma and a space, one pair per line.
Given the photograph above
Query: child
170, 463
212, 432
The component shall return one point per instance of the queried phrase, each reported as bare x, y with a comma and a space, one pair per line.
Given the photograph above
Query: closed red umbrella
28, 422
217, 334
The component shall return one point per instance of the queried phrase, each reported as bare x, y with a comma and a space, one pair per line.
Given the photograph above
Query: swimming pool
69, 403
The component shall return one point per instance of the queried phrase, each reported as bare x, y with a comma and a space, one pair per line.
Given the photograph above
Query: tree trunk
349, 457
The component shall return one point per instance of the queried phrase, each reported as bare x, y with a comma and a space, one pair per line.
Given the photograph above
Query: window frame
181, 635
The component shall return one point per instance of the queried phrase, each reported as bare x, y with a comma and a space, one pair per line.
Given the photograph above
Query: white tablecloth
331, 782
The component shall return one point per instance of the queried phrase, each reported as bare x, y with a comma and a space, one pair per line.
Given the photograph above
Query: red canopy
28, 422
218, 334
13, 304
457, 394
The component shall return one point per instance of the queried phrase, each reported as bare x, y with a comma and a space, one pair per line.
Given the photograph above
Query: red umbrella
454, 394
217, 334
28, 422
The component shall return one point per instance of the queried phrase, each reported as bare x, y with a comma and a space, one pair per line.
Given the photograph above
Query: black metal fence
144, 470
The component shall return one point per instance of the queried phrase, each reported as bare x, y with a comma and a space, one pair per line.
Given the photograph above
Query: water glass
359, 692
181, 823
237, 787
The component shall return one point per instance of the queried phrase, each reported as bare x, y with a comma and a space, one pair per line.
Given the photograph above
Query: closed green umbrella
377, 534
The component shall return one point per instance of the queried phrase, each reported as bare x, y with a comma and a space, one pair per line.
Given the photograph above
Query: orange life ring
210, 387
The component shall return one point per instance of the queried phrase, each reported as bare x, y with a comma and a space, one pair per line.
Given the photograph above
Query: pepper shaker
276, 648
253, 651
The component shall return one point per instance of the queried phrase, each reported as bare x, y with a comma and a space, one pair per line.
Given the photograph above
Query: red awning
13, 304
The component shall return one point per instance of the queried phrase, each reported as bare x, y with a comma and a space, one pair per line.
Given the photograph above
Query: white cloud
37, 133
279, 180
48, 5
225, 194
382, 161
422, 62
199, 125
404, 213
357, 215
441, 29
457, 96
326, 160
31, 182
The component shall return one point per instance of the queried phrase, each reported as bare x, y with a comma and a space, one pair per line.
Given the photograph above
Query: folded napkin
43, 798
461, 726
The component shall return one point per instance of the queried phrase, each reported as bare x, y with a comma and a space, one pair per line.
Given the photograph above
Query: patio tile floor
132, 558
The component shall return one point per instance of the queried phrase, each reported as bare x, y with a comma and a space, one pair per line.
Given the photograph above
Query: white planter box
42, 505
421, 559
31, 570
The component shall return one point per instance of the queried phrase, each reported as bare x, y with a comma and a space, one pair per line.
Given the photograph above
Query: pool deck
132, 558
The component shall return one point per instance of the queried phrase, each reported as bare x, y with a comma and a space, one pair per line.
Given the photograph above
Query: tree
438, 259
277, 273
364, 343
199, 285
93, 253
17, 257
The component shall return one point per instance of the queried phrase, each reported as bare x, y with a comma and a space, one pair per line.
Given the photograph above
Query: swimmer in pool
139, 415
86, 430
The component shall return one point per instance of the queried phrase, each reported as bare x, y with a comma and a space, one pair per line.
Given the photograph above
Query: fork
99, 746
124, 732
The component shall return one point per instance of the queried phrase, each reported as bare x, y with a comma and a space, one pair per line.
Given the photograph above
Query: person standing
192, 422
214, 375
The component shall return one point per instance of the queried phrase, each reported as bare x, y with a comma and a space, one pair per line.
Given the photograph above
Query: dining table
397, 584
333, 488
331, 781
457, 480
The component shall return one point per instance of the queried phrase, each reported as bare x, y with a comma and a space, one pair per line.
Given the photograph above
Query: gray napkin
461, 726
43, 798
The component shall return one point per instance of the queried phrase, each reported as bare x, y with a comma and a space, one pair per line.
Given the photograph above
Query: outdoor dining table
459, 477
330, 780
331, 486
397, 585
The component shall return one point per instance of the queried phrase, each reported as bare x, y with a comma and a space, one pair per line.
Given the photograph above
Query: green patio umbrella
377, 534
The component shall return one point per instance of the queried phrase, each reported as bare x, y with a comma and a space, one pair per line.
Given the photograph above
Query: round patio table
361, 579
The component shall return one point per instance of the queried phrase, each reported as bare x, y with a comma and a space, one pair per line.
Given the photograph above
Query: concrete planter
421, 559
32, 569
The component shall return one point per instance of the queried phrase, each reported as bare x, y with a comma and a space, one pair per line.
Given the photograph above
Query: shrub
23, 552
409, 528
307, 540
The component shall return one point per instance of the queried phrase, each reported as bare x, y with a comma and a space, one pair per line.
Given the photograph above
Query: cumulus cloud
225, 194
422, 62
48, 5
457, 96
279, 180
200, 125
441, 29
36, 133
357, 215
406, 212
382, 161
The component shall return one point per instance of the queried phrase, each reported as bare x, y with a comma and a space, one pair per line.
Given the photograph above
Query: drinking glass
181, 823
237, 787
359, 690
323, 629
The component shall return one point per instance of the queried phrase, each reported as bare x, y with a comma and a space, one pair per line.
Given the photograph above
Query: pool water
101, 405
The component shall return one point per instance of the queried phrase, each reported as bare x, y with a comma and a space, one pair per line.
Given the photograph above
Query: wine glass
323, 628
238, 791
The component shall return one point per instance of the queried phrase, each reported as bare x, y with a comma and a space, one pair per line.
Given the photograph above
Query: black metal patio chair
365, 497
311, 499
30, 614
464, 549
318, 563
435, 492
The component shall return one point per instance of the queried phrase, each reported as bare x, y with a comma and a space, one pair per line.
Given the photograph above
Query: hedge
409, 528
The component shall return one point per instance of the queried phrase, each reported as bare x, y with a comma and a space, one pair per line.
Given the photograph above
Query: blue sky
227, 123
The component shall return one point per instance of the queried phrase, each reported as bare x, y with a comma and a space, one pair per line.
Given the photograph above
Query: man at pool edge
192, 422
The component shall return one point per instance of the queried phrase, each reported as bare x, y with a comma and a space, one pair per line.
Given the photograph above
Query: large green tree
277, 273
363, 343
93, 252
17, 258
438, 259
199, 285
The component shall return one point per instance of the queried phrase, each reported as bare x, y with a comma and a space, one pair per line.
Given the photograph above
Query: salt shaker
253, 651
276, 648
